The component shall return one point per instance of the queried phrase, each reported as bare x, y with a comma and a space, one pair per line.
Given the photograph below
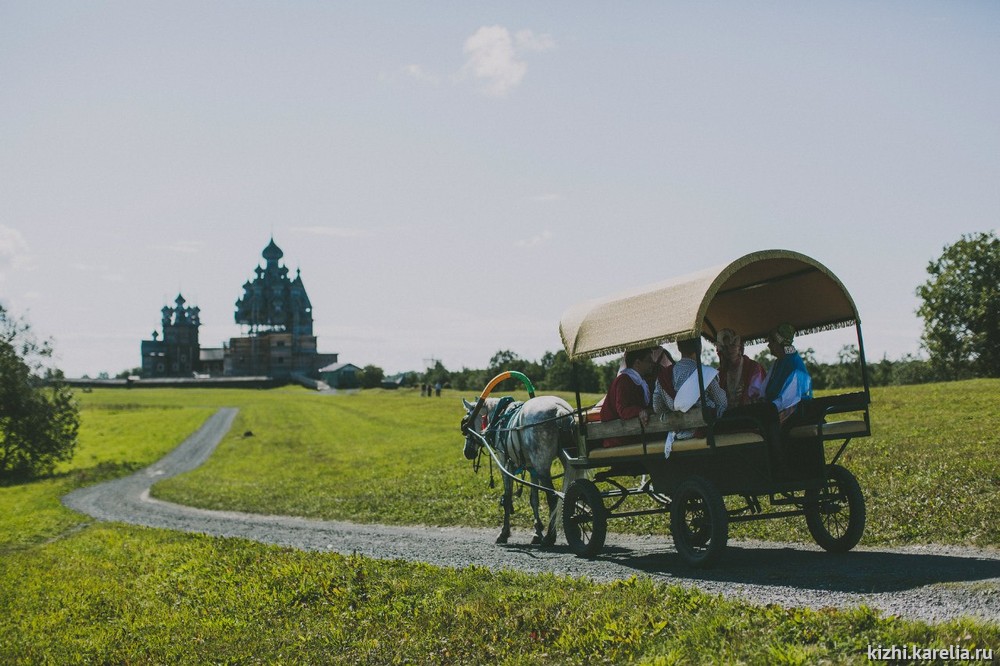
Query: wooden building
276, 315
177, 353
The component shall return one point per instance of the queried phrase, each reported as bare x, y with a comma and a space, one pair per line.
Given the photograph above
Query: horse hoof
549, 540
536, 540
502, 539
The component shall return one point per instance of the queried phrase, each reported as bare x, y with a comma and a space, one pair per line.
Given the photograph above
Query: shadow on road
862, 571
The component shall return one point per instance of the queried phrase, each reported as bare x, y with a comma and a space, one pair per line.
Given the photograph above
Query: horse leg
545, 480
508, 508
537, 539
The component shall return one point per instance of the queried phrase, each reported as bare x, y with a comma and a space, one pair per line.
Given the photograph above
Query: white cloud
13, 250
536, 240
493, 57
418, 73
526, 40
551, 196
334, 232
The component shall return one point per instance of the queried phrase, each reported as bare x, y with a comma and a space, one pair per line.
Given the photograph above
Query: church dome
272, 252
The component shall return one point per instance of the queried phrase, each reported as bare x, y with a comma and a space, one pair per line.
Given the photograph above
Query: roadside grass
73, 591
929, 471
115, 439
376, 456
115, 594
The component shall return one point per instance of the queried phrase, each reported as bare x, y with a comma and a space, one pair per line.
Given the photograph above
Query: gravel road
930, 583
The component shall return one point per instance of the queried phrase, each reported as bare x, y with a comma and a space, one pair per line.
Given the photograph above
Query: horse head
472, 444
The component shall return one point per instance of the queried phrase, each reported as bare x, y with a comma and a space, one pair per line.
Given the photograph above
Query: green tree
846, 372
469, 379
506, 360
438, 374
371, 376
608, 370
961, 307
560, 375
39, 420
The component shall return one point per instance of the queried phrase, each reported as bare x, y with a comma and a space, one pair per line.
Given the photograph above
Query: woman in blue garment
788, 382
786, 386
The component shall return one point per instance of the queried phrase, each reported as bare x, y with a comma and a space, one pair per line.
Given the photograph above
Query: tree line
554, 372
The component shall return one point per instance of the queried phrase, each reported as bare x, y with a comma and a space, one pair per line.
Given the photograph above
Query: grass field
393, 457
76, 592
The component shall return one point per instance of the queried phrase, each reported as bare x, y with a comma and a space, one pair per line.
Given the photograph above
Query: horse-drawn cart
733, 469
764, 473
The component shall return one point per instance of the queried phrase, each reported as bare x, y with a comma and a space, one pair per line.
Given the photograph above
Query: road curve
930, 583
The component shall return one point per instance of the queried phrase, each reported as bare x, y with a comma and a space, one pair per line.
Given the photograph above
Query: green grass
928, 472
379, 456
128, 595
73, 591
115, 438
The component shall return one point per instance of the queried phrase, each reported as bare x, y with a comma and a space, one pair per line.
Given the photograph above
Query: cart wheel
836, 514
585, 520
699, 522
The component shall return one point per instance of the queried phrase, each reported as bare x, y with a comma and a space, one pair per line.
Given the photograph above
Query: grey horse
528, 437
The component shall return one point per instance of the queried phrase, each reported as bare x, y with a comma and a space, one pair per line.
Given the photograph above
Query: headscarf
728, 338
784, 334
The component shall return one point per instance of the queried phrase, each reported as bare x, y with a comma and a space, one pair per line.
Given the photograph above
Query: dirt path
921, 582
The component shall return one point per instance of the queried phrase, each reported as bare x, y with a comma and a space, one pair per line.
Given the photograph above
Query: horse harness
499, 423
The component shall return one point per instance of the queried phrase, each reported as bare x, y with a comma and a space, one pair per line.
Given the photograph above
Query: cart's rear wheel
836, 514
585, 520
699, 521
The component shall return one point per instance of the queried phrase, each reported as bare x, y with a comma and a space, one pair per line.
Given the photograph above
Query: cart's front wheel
835, 513
585, 520
699, 522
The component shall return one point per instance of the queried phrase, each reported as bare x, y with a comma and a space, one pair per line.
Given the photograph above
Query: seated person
679, 391
788, 382
663, 361
786, 385
741, 377
629, 394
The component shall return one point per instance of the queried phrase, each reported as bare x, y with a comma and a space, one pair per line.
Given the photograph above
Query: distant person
437, 389
630, 395
740, 377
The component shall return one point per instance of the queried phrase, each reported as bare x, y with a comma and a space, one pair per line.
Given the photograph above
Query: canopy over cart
750, 295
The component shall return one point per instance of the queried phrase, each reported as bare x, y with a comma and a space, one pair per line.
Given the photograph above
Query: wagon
729, 472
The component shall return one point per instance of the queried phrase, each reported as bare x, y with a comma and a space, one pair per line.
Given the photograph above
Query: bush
38, 416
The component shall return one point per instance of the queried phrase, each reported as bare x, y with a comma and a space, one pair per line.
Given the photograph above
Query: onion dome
272, 252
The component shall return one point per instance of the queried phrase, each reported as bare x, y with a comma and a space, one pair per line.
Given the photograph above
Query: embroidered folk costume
742, 379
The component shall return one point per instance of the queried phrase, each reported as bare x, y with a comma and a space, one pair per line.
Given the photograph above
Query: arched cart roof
751, 295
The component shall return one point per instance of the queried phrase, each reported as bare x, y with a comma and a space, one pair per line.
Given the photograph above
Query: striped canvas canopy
751, 295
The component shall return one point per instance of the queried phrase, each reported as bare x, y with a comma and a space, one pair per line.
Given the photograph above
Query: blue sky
451, 177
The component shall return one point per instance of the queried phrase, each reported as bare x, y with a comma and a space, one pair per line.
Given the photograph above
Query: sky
451, 177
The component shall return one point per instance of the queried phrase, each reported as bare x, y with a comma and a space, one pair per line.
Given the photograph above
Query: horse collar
500, 417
